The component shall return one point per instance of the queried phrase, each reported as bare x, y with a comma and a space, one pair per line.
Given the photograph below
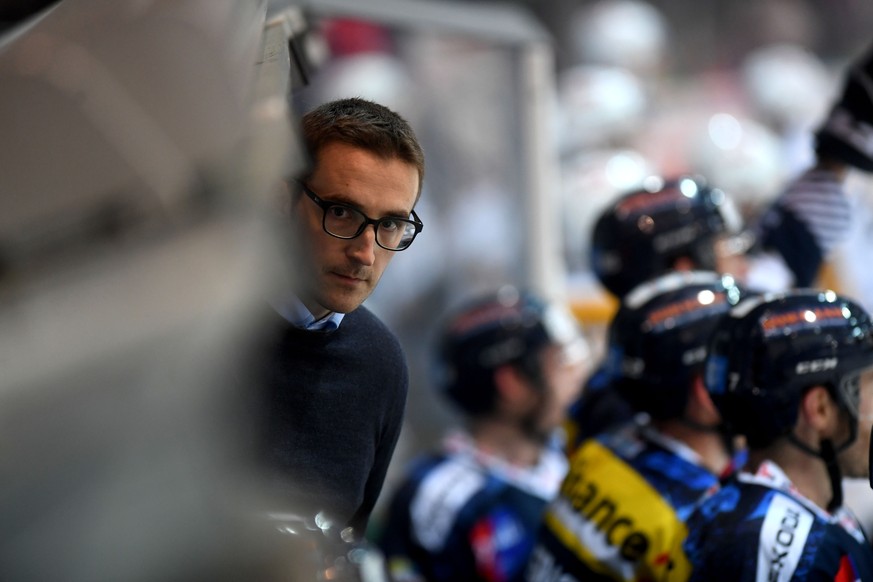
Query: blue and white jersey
621, 510
760, 528
466, 515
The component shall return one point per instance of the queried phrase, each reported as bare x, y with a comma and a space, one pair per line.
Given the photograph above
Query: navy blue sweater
334, 410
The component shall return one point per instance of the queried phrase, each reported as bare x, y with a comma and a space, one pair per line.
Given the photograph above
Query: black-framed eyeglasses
347, 222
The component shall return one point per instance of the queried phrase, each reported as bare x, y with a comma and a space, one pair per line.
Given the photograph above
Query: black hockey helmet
641, 235
659, 336
506, 327
772, 348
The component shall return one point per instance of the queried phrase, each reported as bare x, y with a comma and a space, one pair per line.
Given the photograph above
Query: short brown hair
364, 124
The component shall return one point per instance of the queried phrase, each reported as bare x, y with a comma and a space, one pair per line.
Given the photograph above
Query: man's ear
819, 411
514, 392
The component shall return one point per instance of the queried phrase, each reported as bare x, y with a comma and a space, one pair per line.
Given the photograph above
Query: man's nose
362, 248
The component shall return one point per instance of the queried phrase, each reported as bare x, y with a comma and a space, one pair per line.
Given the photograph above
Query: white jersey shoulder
440, 497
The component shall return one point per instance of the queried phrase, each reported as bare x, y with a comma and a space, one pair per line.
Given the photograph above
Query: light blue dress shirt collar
293, 310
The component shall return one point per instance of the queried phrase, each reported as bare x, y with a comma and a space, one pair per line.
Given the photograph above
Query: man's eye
339, 212
389, 224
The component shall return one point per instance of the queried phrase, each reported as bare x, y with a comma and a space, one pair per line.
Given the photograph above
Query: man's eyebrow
344, 199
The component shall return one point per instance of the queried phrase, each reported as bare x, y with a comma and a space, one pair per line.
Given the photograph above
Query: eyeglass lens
346, 222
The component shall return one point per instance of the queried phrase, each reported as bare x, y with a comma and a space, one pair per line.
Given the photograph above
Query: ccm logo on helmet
812, 366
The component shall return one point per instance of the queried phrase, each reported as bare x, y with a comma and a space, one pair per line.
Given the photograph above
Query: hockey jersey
463, 514
621, 510
760, 528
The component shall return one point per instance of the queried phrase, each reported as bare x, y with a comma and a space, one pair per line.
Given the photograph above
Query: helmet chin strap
714, 428
828, 454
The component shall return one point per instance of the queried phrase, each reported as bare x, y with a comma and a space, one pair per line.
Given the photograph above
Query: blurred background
142, 141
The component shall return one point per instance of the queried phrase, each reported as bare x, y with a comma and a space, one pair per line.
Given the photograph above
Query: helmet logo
502, 353
813, 366
676, 238
633, 367
733, 381
646, 202
687, 310
619, 365
803, 319
607, 262
693, 356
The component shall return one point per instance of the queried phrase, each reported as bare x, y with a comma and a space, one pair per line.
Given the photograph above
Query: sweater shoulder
377, 349
372, 330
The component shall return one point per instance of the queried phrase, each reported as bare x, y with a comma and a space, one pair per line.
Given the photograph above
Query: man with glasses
334, 377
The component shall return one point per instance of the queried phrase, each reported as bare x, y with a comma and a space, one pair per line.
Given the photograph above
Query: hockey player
511, 363
621, 509
666, 226
677, 225
794, 374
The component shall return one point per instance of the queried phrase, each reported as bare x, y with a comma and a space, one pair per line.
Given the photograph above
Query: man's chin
342, 303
